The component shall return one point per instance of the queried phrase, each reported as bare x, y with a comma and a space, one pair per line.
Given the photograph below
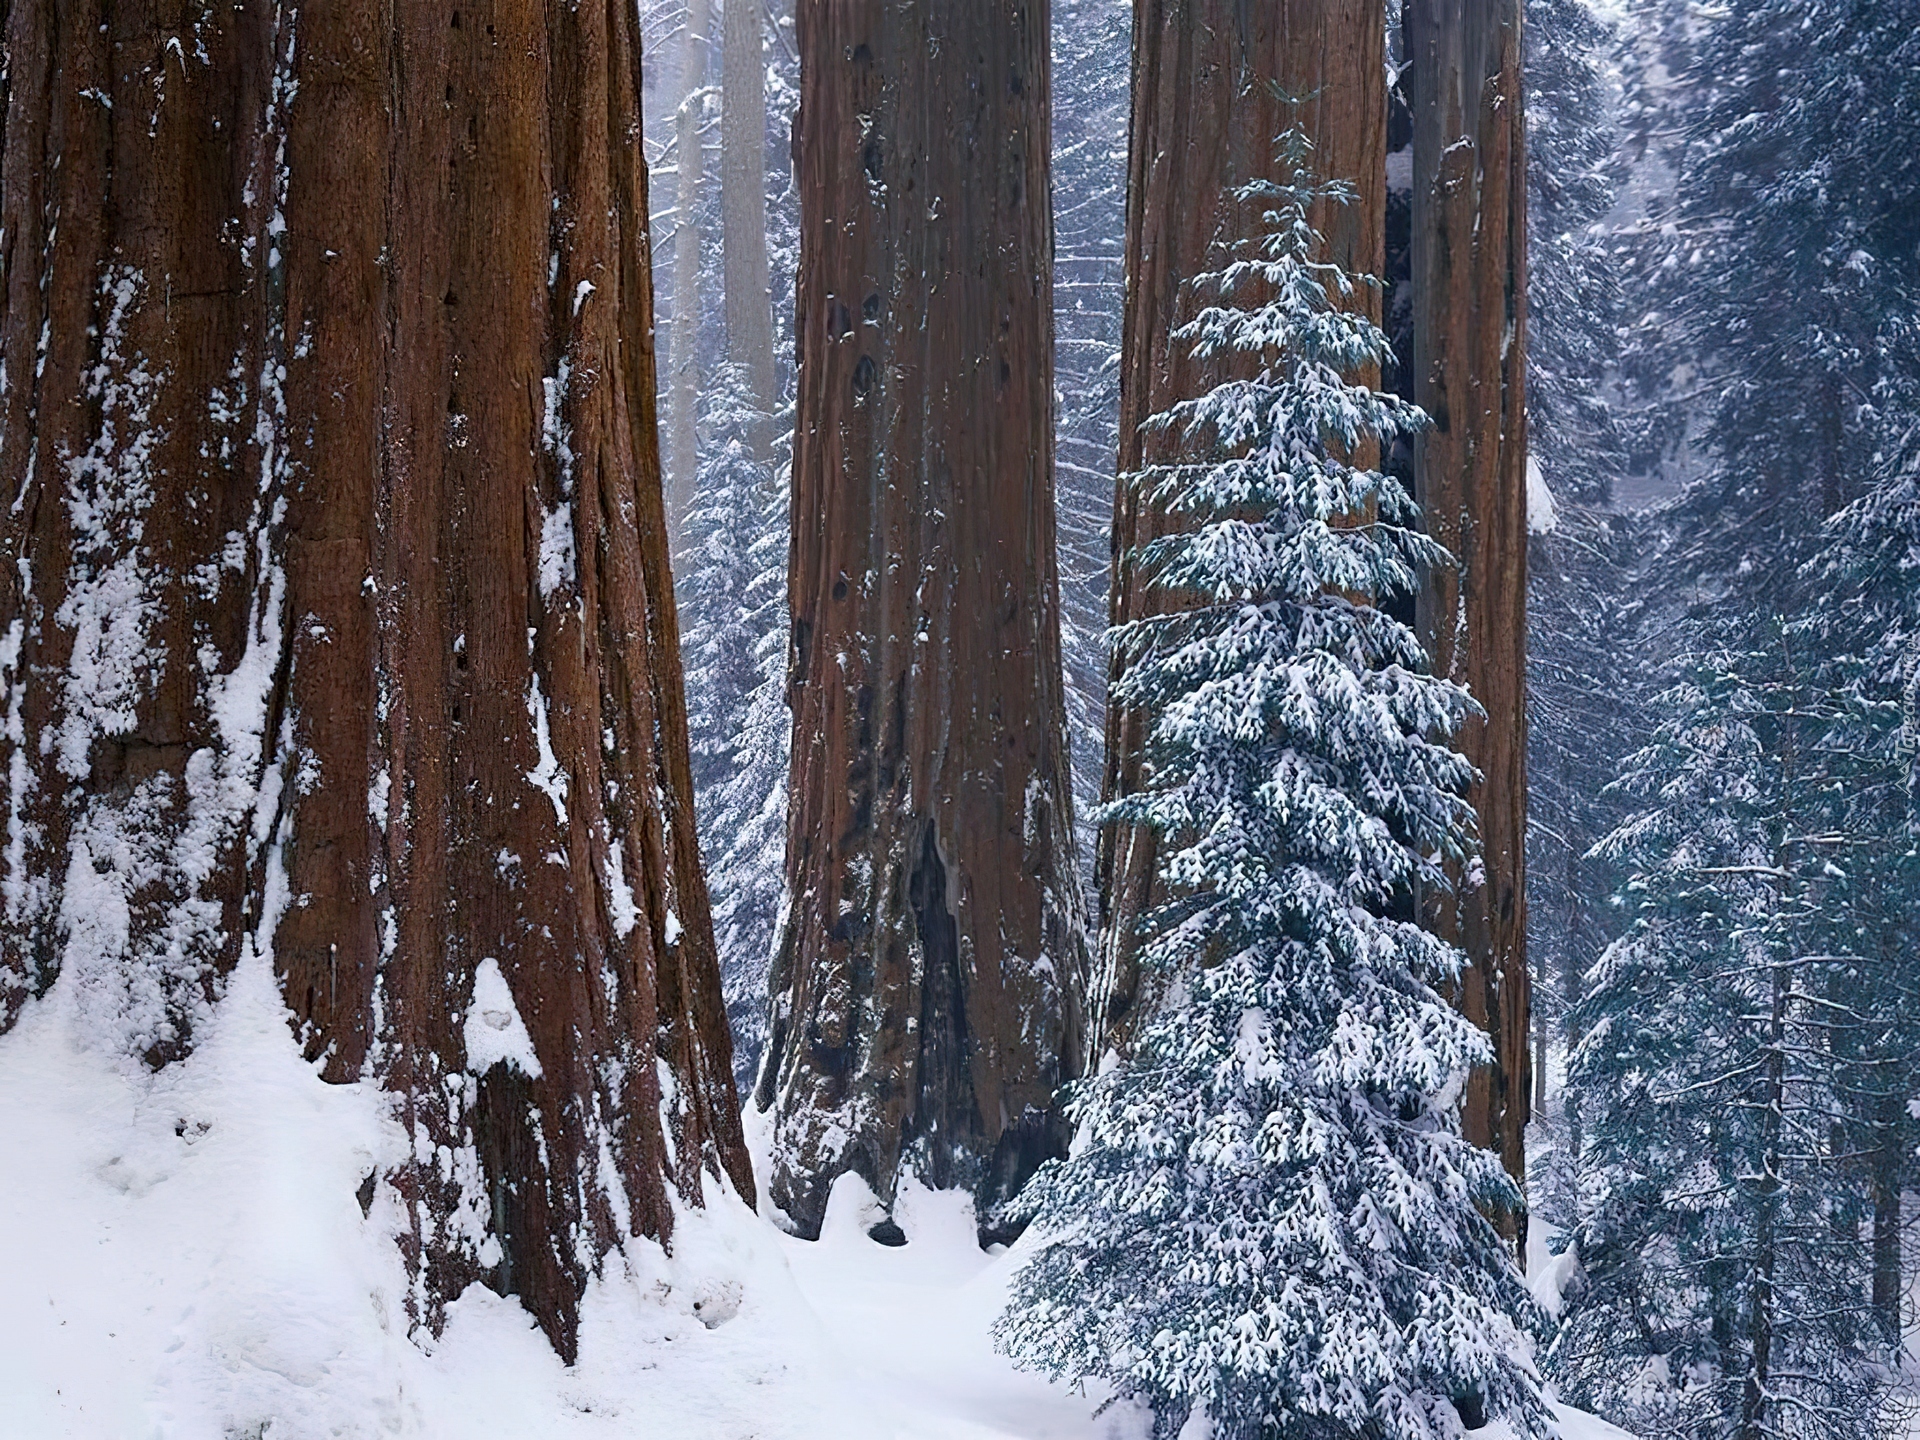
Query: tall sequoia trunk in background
1469, 374
683, 350
1205, 118
927, 991
743, 202
338, 631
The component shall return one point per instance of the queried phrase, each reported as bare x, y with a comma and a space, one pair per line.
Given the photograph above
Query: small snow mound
1549, 1276
852, 1210
1542, 513
495, 1033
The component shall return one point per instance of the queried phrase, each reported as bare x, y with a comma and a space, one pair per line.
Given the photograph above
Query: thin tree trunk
1205, 118
1889, 1171
1540, 1038
683, 385
1469, 345
928, 984
743, 202
342, 636
1756, 1391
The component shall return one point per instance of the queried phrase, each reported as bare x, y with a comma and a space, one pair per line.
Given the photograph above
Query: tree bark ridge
928, 985
342, 627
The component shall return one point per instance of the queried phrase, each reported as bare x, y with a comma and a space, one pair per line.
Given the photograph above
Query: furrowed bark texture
928, 985
339, 630
743, 202
1205, 118
1469, 348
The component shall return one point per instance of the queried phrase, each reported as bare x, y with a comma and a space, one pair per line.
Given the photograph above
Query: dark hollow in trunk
927, 991
342, 633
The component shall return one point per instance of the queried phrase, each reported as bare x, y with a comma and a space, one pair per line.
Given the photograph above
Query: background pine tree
1091, 54
1741, 1067
733, 595
1725, 1041
1581, 706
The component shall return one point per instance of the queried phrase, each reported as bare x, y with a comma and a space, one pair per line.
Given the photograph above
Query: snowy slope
186, 1261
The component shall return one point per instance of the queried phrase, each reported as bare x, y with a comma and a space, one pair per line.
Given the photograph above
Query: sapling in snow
1270, 1213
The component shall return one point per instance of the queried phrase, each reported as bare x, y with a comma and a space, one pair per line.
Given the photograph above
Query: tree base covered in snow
189, 1262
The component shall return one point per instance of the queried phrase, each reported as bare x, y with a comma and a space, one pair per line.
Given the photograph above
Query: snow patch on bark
556, 549
495, 1033
548, 775
109, 606
557, 557
1542, 513
23, 893
620, 901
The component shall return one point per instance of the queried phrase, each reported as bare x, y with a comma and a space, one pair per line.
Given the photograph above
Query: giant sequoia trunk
1205, 118
1469, 348
339, 634
927, 989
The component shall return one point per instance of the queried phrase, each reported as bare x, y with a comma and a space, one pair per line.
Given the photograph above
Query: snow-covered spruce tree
1776, 274
1204, 109
733, 592
1727, 1037
1782, 282
1270, 1214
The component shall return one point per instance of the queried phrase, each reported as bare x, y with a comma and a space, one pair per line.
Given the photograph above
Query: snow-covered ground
185, 1260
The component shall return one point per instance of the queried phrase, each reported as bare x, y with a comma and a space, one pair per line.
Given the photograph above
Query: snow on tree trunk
1205, 118
928, 984
1469, 375
743, 204
339, 624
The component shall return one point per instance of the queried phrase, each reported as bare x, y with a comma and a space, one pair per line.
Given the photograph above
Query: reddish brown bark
1469, 340
337, 552
927, 990
1205, 118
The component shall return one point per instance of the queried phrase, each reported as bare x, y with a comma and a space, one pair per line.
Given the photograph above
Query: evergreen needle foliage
1729, 1035
1270, 1212
1746, 1051
733, 593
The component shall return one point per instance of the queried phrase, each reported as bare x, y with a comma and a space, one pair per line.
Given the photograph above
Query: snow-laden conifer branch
1270, 1213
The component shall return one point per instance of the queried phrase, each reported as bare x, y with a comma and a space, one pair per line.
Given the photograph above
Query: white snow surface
1542, 513
186, 1260
494, 1032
